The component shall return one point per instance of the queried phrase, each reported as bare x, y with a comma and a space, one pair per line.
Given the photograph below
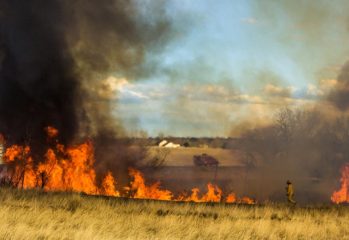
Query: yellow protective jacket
290, 193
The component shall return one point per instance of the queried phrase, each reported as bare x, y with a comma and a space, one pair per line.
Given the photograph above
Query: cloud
278, 91
109, 87
208, 109
328, 83
313, 90
249, 20
135, 94
321, 89
215, 93
113, 88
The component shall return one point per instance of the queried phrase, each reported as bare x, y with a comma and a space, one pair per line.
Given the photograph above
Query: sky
232, 64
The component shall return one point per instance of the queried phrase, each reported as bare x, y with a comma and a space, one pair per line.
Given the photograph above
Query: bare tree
305, 140
157, 157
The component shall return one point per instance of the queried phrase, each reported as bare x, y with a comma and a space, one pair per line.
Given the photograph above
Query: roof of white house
172, 145
162, 143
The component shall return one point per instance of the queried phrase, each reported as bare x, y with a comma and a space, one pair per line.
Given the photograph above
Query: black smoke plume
54, 54
339, 97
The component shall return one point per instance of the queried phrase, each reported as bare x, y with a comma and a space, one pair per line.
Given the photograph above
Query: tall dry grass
38, 215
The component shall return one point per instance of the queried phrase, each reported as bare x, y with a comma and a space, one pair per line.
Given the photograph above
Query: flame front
72, 169
140, 190
213, 194
108, 186
342, 195
22, 172
69, 170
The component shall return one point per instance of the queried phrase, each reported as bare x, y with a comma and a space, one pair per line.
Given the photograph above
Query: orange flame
213, 194
247, 200
194, 197
51, 132
342, 195
23, 174
231, 198
72, 169
140, 190
14, 152
108, 186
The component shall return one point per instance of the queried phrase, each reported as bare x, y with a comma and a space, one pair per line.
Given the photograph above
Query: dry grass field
262, 182
37, 215
183, 156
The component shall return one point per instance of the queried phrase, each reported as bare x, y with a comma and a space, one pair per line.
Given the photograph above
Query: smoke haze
55, 54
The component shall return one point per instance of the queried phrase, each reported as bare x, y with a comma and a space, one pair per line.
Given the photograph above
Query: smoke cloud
339, 97
54, 54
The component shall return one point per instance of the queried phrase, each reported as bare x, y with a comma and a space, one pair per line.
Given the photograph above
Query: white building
162, 143
172, 145
166, 144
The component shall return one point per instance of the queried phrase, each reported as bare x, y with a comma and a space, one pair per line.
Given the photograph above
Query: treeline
299, 141
217, 142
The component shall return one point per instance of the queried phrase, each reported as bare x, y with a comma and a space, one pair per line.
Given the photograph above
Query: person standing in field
290, 192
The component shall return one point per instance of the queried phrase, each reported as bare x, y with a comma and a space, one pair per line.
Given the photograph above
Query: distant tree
305, 140
161, 135
158, 157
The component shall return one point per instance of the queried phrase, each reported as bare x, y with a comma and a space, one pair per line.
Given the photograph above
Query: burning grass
71, 168
33, 214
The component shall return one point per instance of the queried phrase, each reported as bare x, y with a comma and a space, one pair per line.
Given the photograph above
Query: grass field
38, 215
263, 182
183, 156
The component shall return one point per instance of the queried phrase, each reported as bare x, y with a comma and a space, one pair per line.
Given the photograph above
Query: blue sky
235, 62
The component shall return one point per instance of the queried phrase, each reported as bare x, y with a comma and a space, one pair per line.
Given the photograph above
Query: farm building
166, 144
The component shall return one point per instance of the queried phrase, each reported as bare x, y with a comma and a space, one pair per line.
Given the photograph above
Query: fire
69, 170
22, 173
140, 190
342, 195
213, 194
108, 186
16, 152
247, 200
72, 169
51, 132
63, 169
231, 198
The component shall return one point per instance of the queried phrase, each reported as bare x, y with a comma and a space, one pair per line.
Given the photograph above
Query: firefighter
290, 192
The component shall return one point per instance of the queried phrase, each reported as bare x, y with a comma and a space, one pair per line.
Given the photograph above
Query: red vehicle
205, 160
